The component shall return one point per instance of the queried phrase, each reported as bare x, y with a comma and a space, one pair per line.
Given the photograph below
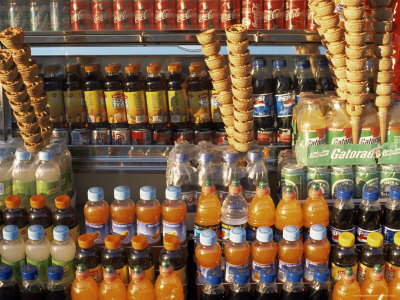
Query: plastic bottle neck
206, 190
262, 192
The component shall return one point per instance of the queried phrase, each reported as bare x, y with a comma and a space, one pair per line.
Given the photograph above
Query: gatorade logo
342, 154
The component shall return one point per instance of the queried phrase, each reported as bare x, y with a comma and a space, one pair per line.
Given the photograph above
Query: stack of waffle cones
24, 90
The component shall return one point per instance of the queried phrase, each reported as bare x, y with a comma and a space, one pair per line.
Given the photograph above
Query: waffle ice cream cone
10, 74
13, 86
21, 56
244, 137
243, 93
236, 33
355, 112
215, 62
12, 38
241, 82
240, 71
219, 74
5, 59
354, 12
226, 110
207, 37
211, 49
239, 59
225, 97
35, 147
238, 48
243, 104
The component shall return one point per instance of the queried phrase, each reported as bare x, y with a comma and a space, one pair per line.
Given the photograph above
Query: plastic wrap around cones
355, 112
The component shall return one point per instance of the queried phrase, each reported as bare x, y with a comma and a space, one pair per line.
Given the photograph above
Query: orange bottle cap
86, 240
13, 201
90, 68
72, 68
132, 68
175, 67
112, 241
63, 202
38, 201
171, 242
112, 69
139, 242
195, 67
154, 68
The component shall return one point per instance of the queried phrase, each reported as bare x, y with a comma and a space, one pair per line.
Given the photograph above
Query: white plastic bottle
12, 250
6, 162
56, 150
48, 177
24, 177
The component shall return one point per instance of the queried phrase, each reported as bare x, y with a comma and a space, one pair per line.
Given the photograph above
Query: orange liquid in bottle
84, 286
394, 287
112, 288
375, 286
237, 252
168, 285
263, 252
315, 209
140, 288
123, 214
347, 287
174, 214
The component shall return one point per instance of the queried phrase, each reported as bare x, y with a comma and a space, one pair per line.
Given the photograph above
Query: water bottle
205, 170
256, 171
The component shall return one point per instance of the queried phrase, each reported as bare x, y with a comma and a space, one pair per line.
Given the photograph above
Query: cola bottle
305, 78
324, 76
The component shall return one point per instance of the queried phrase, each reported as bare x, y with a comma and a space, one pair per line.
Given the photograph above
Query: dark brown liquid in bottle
157, 113
199, 101
177, 99
114, 84
134, 84
94, 82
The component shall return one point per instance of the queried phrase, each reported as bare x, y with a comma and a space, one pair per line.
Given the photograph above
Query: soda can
229, 13
40, 15
365, 176
18, 14
266, 137
80, 15
81, 136
101, 136
295, 14
60, 133
165, 12
162, 137
321, 175
60, 16
208, 14
183, 135
123, 14
102, 14
341, 175
390, 176
186, 14
144, 14
311, 25
220, 136
141, 137
252, 14
203, 135
295, 175
120, 136
274, 12
284, 136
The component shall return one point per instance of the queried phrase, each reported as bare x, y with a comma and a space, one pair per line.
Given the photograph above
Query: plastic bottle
229, 170
37, 250
141, 255
290, 251
6, 164
256, 172
114, 256
375, 285
97, 214
324, 76
66, 159
263, 252
236, 252
312, 124
315, 209
14, 214
84, 286
293, 288
344, 255
64, 214
57, 287
89, 256
240, 288
371, 254
394, 287
391, 215
174, 254
267, 288
23, 177
112, 287
320, 287
48, 177
40, 214
339, 124
9, 288
213, 289
369, 124
32, 287
205, 170
168, 285
53, 86
305, 78
393, 135
12, 249
174, 214
122, 211
347, 287
140, 288
261, 211
62, 250
392, 266
56, 150
114, 96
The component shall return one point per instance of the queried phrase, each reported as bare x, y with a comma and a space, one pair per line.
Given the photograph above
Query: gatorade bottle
140, 288
237, 253
123, 214
168, 285
229, 170
369, 124
89, 256
290, 252
288, 212
94, 97
267, 288
40, 214
240, 289
263, 252
12, 249
175, 255
369, 214
391, 215
64, 214
112, 287
347, 287
141, 255
48, 177
84, 286
174, 214
23, 174
311, 124
114, 256
316, 251
343, 216
114, 96
213, 289
14, 214
315, 209
320, 287
371, 254
375, 286
394, 287
293, 288
339, 124
344, 255
261, 211
208, 255
32, 286
256, 171
97, 214
57, 287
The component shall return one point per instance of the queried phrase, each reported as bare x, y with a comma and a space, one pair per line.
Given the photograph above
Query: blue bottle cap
371, 193
206, 156
231, 156
55, 273
241, 276
22, 155
321, 274
291, 233
29, 272
394, 192
303, 64
5, 272
344, 192
264, 234
35, 232
95, 194
294, 274
267, 275
173, 193
323, 63
45, 155
259, 63
317, 232
237, 235
280, 63
214, 277
147, 192
254, 155
122, 193
181, 157
369, 64
61, 233
208, 237
10, 232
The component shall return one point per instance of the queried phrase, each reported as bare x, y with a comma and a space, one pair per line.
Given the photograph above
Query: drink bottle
89, 256
6, 165
391, 215
205, 170
370, 76
174, 214
229, 171
64, 214
213, 288
393, 134
112, 286
320, 287
256, 172
14, 214
140, 288
168, 285
66, 159
94, 97
338, 124
240, 288
371, 254
122, 211
32, 287
57, 287
369, 124
208, 255
347, 287
40, 214
141, 255
344, 255
392, 266
324, 76
84, 286
267, 288
175, 255
114, 256
9, 288
55, 148
311, 124
23, 177
315, 209
114, 96
394, 287
305, 78
293, 288
263, 252
236, 252
375, 285
12, 249
53, 87
135, 101
48, 177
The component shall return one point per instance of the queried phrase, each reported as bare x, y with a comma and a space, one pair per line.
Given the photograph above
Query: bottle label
337, 272
151, 231
230, 270
363, 272
263, 105
126, 231
75, 106
226, 229
283, 268
390, 272
16, 268
256, 269
74, 233
115, 103
50, 190
48, 233
157, 107
97, 274
393, 134
177, 229
135, 103
340, 136
199, 228
122, 273
388, 234
149, 273
56, 106
6, 189
199, 106
285, 104
216, 114
202, 273
251, 232
25, 190
182, 273
177, 106
96, 106
248, 195
309, 268
69, 269
362, 234
313, 137
334, 233
370, 135
101, 231
191, 200
42, 267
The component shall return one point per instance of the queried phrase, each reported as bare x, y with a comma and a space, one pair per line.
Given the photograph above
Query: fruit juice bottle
371, 254
23, 177
114, 96
123, 214
267, 288
393, 132
175, 255
240, 288
97, 214
9, 288
288, 212
261, 211
263, 252
290, 251
168, 285
148, 212
64, 214
32, 287
112, 288
344, 255
94, 97
369, 124
114, 256
375, 286
237, 253
88, 254
315, 209
312, 124
40, 214
208, 255
140, 288
84, 287
394, 287
347, 287
392, 266
14, 214
37, 250
12, 249
339, 124
213, 289
141, 255
174, 214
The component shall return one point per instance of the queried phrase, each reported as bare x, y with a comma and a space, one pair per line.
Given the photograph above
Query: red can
141, 137
208, 14
80, 15
162, 137
183, 135
229, 12
274, 12
311, 25
186, 14
144, 14
295, 14
102, 14
203, 135
123, 14
165, 14
266, 137
220, 136
120, 136
251, 13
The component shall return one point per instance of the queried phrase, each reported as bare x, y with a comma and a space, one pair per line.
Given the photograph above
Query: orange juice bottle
84, 286
112, 288
315, 209
123, 214
148, 213
237, 253
175, 255
369, 124
114, 256
168, 285
174, 214
316, 251
140, 288
261, 211
208, 255
263, 252
97, 214
375, 286
288, 212
339, 124
290, 251
347, 287
394, 287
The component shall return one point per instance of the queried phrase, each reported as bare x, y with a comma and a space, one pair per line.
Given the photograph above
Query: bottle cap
369, 64
323, 63
267, 275
259, 63
55, 273
195, 67
10, 232
254, 155
181, 157
237, 235
122, 193
264, 234
45, 155
394, 192
214, 277
321, 274
231, 156
13, 201
371, 193
86, 241
112, 68
291, 233
315, 190
29, 272
375, 239
241, 276
153, 68
175, 67
208, 238
208, 183
112, 242
139, 242
147, 192
63, 202
95, 194
38, 201
137, 270
263, 185
132, 68
303, 64
206, 156
22, 155
344, 192
397, 239
171, 242
61, 233
90, 68
280, 63
35, 232
110, 270
173, 193
318, 232
294, 274
348, 272
378, 268
5, 272
346, 239
289, 193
